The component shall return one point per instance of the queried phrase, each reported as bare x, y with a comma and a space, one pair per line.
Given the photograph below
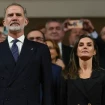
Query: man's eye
58, 28
31, 38
18, 14
51, 28
9, 15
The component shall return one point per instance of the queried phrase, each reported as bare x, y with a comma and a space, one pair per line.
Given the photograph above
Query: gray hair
16, 4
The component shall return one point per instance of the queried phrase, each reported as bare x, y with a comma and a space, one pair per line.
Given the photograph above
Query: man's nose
14, 17
54, 30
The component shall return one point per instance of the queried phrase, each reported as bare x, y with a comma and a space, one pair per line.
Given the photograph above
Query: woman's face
85, 49
53, 51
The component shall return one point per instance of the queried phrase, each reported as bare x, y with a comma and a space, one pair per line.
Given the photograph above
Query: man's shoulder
36, 44
66, 47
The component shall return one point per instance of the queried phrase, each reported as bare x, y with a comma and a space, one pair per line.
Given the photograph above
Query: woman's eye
89, 45
80, 44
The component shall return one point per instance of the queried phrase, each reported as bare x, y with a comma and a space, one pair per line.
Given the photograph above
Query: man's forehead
36, 33
14, 9
54, 24
103, 29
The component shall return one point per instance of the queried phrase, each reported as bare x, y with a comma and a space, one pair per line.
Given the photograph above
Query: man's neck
15, 35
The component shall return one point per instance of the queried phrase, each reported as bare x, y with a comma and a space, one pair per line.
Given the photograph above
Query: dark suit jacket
56, 73
101, 50
75, 92
20, 82
66, 50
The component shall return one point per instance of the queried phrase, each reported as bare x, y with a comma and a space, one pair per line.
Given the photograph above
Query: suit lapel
6, 56
25, 55
93, 80
90, 83
79, 84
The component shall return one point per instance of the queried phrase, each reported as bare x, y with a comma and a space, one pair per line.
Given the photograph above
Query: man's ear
3, 22
26, 21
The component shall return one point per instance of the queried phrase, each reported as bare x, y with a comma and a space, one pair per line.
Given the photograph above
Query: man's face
36, 36
15, 20
75, 33
54, 31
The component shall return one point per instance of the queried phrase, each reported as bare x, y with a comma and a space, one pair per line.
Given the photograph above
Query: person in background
2, 35
36, 35
85, 27
55, 53
101, 47
1, 27
54, 31
22, 63
84, 81
57, 67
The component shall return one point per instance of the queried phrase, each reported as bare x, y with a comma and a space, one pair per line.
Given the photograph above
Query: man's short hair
38, 31
53, 20
16, 4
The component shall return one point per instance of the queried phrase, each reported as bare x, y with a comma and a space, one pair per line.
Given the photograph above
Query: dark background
98, 23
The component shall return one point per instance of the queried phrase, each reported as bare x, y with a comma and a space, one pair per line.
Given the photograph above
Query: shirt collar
59, 44
21, 39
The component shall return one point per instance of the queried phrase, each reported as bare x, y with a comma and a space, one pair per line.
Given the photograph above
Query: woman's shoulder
56, 66
100, 71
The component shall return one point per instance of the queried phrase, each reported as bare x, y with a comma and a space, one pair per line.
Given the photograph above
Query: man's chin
55, 39
14, 29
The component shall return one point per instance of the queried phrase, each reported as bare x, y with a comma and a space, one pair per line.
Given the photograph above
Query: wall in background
59, 8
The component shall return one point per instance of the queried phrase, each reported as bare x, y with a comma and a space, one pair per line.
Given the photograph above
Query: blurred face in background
53, 51
74, 34
35, 36
2, 37
103, 34
54, 31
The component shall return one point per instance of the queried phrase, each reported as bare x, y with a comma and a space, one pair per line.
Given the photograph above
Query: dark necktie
14, 49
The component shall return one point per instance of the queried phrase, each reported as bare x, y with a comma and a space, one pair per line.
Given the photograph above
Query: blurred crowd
53, 33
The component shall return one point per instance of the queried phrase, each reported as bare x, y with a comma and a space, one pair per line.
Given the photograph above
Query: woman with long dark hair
84, 81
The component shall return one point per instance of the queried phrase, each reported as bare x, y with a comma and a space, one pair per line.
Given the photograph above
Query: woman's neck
85, 65
54, 61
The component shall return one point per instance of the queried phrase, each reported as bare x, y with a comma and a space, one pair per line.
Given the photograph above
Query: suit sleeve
57, 86
46, 77
103, 91
63, 92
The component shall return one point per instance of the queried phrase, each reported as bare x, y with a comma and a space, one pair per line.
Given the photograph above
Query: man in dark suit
24, 64
54, 31
38, 36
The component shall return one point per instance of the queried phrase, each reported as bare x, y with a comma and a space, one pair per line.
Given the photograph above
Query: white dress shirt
94, 35
19, 43
60, 48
